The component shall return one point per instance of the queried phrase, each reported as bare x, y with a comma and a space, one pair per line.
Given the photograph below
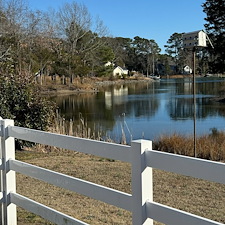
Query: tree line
66, 42
212, 58
69, 42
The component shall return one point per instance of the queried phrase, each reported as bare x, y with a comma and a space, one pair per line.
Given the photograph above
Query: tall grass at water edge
79, 128
209, 146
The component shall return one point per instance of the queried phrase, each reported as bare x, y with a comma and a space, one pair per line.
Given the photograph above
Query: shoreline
93, 85
88, 85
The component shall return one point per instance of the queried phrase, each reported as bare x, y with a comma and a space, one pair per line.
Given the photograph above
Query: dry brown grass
78, 85
211, 146
193, 195
177, 76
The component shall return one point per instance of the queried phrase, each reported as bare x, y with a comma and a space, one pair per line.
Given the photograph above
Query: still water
148, 110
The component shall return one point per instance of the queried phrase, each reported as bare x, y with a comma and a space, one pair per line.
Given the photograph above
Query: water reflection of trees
203, 86
183, 108
89, 107
131, 100
146, 107
104, 108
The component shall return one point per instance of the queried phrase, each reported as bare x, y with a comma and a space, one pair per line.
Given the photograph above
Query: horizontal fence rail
97, 148
89, 189
171, 216
141, 157
188, 166
43, 211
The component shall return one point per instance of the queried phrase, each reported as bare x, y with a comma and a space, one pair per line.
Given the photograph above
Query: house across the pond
187, 70
119, 71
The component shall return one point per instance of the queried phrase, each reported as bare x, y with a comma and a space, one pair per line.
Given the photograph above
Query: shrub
20, 101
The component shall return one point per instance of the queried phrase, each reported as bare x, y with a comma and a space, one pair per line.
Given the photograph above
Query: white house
119, 71
187, 69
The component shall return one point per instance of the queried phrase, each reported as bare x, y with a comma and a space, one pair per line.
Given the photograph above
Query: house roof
120, 68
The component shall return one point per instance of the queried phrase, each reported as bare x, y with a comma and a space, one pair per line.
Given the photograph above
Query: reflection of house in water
187, 86
115, 96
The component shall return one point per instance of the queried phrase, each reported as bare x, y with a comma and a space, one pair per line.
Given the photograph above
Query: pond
148, 110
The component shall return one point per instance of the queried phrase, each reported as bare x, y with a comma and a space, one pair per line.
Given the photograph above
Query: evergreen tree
174, 48
215, 27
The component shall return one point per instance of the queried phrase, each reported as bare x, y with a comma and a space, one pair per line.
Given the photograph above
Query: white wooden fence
139, 154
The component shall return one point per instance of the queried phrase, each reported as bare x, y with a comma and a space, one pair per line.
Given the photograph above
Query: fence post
8, 178
1, 189
142, 185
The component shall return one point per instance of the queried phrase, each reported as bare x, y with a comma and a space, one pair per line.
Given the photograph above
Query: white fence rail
139, 154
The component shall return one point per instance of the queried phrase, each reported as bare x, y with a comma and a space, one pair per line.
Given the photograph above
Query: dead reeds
79, 128
210, 146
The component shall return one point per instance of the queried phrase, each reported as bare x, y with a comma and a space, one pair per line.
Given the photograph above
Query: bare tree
38, 36
15, 12
13, 16
77, 26
80, 31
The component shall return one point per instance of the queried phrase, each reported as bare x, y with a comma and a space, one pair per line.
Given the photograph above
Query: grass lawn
193, 195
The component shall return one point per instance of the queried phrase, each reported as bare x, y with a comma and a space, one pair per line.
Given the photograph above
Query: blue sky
150, 19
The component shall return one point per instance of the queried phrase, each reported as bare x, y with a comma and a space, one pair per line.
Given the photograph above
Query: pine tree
215, 27
174, 49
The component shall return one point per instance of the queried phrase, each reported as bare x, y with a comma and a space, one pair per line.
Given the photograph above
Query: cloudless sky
150, 19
